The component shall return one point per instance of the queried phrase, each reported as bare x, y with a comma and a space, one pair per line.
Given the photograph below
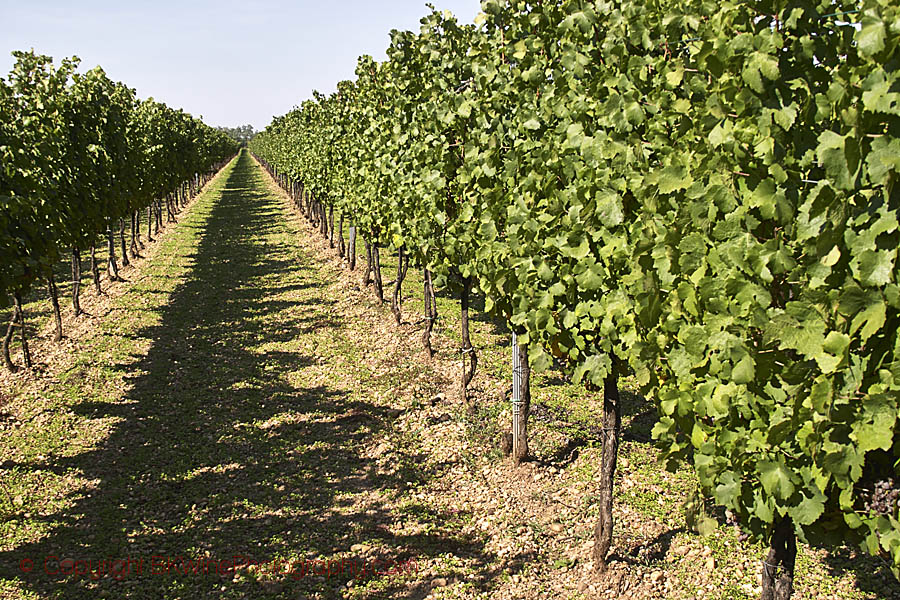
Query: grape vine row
701, 194
79, 153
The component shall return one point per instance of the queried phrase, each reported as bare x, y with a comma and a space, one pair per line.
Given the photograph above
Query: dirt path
243, 401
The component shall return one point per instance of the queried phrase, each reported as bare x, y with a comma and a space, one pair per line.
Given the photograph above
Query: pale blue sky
230, 62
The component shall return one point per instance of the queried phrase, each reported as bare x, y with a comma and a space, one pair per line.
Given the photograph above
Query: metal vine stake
516, 396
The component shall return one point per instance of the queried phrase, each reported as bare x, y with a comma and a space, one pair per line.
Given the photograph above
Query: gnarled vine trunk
612, 425
430, 313
125, 261
76, 281
468, 352
134, 236
397, 299
20, 310
54, 302
111, 264
778, 567
95, 271
7, 339
376, 270
367, 277
331, 226
341, 235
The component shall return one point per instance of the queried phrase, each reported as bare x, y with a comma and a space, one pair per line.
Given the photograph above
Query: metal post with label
516, 396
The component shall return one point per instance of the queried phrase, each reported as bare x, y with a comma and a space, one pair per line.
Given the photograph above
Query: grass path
203, 418
244, 398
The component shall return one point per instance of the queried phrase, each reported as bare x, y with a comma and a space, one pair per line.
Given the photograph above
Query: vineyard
578, 300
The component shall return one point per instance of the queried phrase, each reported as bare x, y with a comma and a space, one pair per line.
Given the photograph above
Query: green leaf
786, 116
809, 509
545, 272
744, 371
576, 248
834, 349
759, 65
721, 133
871, 319
875, 427
878, 97
674, 178
634, 114
806, 336
698, 436
590, 279
876, 267
870, 36
674, 76
706, 526
830, 259
728, 490
775, 479
538, 359
836, 343
834, 154
609, 208
594, 369
764, 197
884, 158
763, 508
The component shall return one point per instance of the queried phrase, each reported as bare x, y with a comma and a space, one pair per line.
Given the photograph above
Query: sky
231, 63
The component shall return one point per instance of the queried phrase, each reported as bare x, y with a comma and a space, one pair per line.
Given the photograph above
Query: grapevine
701, 195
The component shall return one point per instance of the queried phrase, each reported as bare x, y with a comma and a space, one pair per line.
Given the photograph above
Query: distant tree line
242, 134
